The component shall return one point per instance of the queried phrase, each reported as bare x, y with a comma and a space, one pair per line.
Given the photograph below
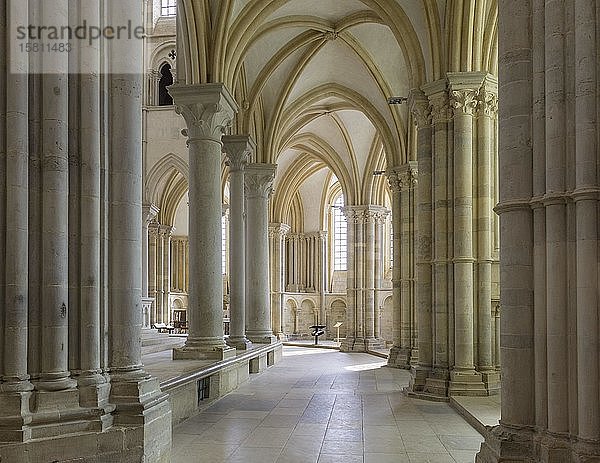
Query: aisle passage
325, 406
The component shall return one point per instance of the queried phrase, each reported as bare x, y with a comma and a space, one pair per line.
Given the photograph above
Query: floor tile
386, 458
297, 413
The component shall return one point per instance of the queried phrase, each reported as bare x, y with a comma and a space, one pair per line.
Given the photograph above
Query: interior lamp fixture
397, 100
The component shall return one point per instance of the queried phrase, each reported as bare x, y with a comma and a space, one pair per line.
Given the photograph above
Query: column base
505, 444
523, 445
241, 343
437, 382
261, 337
399, 357
60, 381
466, 383
141, 405
373, 343
208, 352
414, 357
58, 413
491, 379
282, 337
353, 345
94, 394
15, 416
418, 378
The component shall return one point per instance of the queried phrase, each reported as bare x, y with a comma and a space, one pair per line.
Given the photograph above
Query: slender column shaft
90, 190
369, 281
399, 334
149, 212
258, 182
14, 371
420, 112
323, 266
484, 230
588, 342
464, 103
3, 155
380, 223
152, 270
540, 324
351, 295
165, 236
556, 226
440, 115
238, 149
54, 366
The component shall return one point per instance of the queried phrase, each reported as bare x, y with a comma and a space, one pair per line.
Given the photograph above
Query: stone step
167, 344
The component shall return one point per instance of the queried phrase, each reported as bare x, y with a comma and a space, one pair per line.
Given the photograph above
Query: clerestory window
168, 8
340, 235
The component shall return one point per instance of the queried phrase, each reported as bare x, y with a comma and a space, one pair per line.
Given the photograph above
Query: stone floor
319, 405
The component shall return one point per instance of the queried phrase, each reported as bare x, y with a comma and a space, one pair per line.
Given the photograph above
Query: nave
320, 405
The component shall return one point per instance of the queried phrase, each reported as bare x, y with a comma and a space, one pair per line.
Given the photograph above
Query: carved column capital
165, 230
149, 213
258, 181
208, 110
238, 148
488, 103
278, 230
404, 177
440, 107
464, 101
419, 108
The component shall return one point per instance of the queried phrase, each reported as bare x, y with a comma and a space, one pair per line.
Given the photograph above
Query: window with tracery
166, 79
168, 8
340, 235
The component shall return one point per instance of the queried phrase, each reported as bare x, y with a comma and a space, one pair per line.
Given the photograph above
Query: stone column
277, 235
348, 343
55, 375
421, 116
403, 180
259, 183
488, 107
93, 385
207, 109
149, 213
369, 280
15, 386
137, 396
355, 320
153, 271
322, 274
165, 232
437, 382
463, 92
238, 149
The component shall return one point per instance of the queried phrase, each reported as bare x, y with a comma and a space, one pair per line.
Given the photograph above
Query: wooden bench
163, 328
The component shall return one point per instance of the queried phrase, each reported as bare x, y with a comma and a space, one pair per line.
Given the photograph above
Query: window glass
340, 235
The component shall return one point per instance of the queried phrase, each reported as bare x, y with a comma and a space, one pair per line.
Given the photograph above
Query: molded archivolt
165, 186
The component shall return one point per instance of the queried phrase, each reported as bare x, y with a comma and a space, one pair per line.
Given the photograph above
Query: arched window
166, 79
168, 8
340, 235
